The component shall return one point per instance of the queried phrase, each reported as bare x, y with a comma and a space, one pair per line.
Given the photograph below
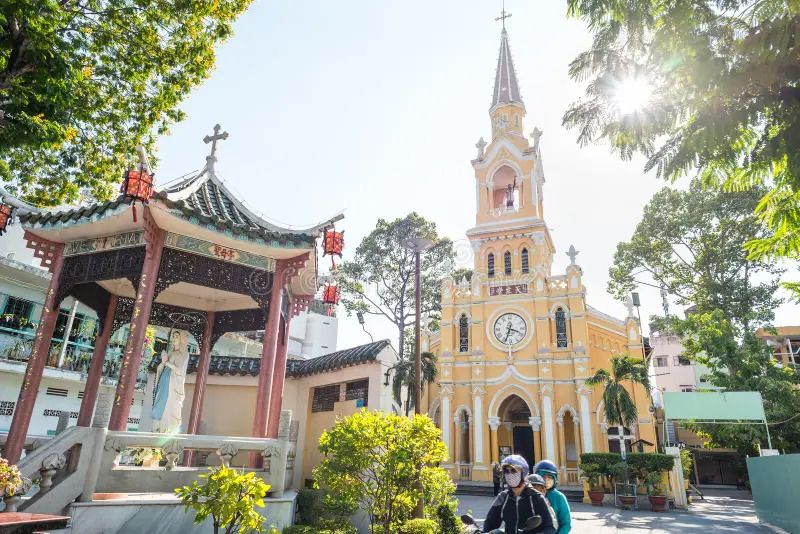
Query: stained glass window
561, 328
463, 334
490, 265
507, 262
525, 266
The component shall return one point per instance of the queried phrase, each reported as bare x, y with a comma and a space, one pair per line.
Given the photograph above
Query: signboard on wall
512, 289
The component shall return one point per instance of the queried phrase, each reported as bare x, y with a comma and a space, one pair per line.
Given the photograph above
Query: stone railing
465, 471
571, 477
81, 461
221, 450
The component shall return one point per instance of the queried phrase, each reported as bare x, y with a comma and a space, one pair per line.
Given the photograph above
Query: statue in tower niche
168, 394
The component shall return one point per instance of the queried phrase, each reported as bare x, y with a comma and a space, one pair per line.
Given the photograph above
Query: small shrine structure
189, 256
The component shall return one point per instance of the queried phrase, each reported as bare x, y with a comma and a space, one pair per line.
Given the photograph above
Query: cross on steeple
212, 157
503, 15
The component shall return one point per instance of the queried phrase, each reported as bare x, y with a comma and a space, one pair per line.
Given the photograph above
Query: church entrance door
523, 443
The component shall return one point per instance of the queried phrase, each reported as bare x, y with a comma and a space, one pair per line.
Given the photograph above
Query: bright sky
374, 108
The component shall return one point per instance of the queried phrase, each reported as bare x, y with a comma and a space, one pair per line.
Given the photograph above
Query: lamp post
418, 245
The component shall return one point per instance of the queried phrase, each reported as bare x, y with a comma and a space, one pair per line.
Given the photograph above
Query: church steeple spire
506, 87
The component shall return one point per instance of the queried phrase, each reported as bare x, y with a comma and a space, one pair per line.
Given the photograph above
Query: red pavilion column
96, 365
201, 377
299, 303
132, 356
265, 373
39, 352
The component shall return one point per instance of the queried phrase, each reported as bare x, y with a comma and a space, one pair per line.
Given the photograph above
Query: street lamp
360, 316
418, 245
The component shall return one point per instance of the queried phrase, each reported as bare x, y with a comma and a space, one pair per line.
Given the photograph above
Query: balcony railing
16, 345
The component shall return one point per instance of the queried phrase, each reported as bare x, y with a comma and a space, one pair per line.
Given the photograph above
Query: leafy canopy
229, 497
723, 103
83, 82
691, 244
619, 405
373, 459
741, 361
379, 280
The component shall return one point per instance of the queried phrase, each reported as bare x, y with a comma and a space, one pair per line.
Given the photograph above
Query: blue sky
374, 108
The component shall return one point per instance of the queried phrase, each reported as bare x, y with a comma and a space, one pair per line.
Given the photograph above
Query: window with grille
7, 407
490, 265
463, 333
525, 266
18, 307
358, 391
507, 262
660, 361
680, 359
324, 398
561, 329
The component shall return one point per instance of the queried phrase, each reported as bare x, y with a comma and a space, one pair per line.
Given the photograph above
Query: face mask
513, 479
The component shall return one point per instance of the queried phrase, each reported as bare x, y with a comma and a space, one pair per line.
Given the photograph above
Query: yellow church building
518, 341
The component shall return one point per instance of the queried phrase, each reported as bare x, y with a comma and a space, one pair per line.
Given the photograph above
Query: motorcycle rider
519, 502
548, 470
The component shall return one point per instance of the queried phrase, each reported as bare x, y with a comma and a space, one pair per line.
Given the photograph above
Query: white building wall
671, 377
312, 334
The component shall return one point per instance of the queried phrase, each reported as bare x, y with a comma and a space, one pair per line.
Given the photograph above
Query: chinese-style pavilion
195, 258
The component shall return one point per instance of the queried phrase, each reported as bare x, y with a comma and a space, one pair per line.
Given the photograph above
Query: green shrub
687, 462
309, 506
593, 475
446, 517
300, 529
601, 459
308, 529
419, 526
320, 508
643, 463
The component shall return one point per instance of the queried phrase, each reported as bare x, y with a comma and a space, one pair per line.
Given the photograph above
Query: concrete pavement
722, 511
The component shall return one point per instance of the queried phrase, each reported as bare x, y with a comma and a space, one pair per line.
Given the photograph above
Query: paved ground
722, 511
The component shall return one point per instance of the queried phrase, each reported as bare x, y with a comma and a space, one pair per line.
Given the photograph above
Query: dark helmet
546, 467
516, 462
535, 480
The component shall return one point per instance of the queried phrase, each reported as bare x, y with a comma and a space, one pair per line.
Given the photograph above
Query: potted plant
593, 476
656, 492
626, 492
11, 484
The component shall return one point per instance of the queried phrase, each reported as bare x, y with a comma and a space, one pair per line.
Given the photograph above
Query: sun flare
633, 95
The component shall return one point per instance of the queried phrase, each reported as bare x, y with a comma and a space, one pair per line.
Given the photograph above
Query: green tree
619, 405
380, 278
229, 497
405, 372
742, 362
723, 97
691, 244
373, 459
82, 83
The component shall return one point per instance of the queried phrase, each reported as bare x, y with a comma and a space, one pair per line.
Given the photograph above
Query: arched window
507, 262
525, 266
490, 265
561, 328
463, 333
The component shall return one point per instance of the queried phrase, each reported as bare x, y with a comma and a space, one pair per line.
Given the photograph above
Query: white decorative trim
506, 392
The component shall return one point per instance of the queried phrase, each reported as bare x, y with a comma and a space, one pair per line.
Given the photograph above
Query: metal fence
775, 484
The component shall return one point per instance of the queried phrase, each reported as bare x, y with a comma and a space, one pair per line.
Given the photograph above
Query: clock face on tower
510, 329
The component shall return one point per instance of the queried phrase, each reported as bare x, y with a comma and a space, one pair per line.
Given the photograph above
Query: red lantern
137, 185
5, 217
330, 296
332, 244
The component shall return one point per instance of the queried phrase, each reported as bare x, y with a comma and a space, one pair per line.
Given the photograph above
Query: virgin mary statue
170, 378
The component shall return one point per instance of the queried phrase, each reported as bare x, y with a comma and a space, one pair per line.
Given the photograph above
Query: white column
586, 419
477, 416
67, 330
447, 425
547, 418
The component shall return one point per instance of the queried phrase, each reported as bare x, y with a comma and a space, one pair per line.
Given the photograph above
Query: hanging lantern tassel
133, 209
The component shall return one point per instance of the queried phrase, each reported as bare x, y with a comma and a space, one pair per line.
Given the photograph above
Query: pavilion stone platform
193, 258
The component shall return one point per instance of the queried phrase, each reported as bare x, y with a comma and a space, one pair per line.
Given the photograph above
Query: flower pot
658, 503
627, 500
596, 497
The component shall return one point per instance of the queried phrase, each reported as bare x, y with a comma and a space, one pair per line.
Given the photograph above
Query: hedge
419, 526
603, 460
643, 463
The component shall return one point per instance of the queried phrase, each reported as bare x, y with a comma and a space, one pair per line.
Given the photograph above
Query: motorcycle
470, 527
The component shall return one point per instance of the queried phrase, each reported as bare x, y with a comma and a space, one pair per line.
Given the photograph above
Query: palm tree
620, 407
404, 376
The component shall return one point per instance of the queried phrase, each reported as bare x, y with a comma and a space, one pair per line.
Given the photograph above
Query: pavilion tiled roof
243, 365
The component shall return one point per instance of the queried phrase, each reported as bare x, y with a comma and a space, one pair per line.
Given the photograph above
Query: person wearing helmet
548, 470
515, 505
538, 483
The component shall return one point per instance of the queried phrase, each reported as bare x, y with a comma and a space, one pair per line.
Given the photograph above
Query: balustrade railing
465, 471
572, 476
